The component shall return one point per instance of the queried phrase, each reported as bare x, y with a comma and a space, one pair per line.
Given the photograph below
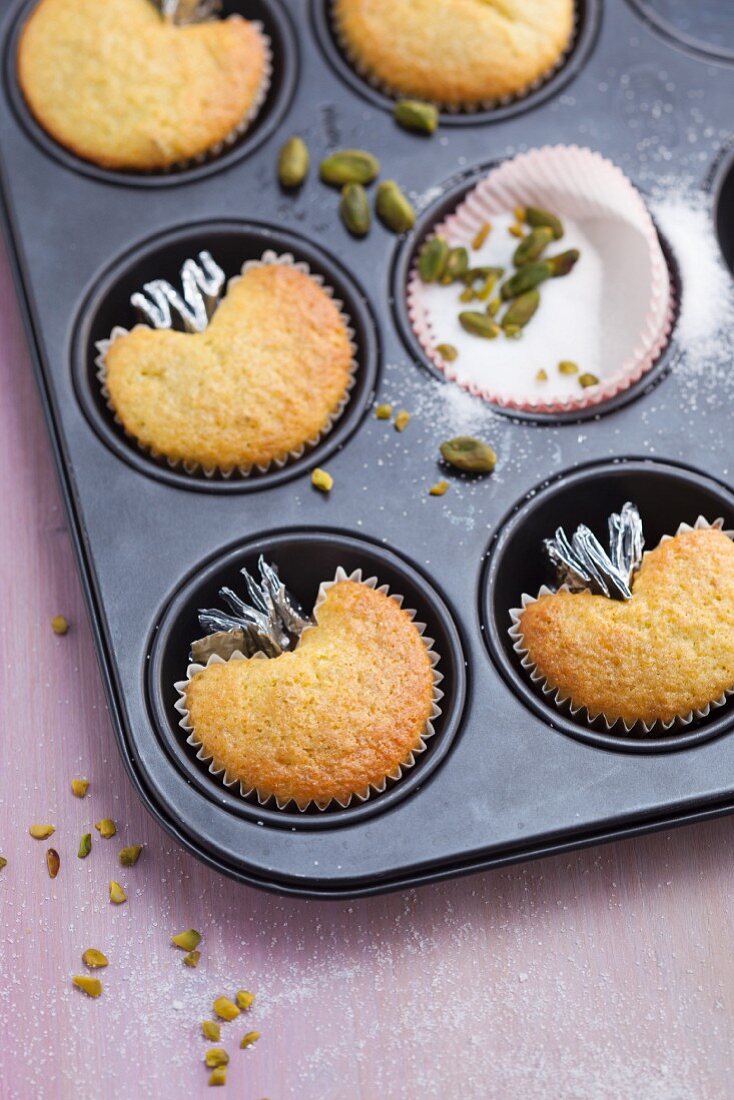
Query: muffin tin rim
270, 116
681, 40
453, 663
358, 308
554, 718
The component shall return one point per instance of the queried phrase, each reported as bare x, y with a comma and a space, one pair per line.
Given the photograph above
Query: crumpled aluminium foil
161, 306
582, 562
182, 12
270, 623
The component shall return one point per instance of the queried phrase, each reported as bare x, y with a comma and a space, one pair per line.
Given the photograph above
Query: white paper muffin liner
470, 107
563, 702
218, 769
251, 114
586, 188
268, 258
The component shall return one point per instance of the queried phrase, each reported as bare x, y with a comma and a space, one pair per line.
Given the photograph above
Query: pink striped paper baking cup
612, 315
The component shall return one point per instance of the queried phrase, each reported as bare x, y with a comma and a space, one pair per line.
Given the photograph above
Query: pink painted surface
606, 974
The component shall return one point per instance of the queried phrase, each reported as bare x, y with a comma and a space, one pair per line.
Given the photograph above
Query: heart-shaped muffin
267, 376
328, 721
664, 654
460, 53
119, 86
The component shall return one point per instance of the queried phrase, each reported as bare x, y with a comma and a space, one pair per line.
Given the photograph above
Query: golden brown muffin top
667, 651
265, 377
113, 82
342, 711
457, 52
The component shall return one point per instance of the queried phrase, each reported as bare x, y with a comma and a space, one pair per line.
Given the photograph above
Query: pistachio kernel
211, 1030
533, 246
447, 352
79, 787
494, 307
563, 263
516, 231
536, 217
432, 259
541, 376
225, 1009
354, 209
218, 1076
217, 1056
245, 999
349, 166
117, 894
85, 846
41, 832
567, 367
456, 267
129, 856
248, 1039
402, 420
59, 624
383, 412
3, 862
479, 324
106, 827
413, 114
187, 940
439, 489
91, 986
53, 862
588, 379
467, 294
527, 278
94, 959
293, 162
322, 481
469, 454
393, 208
521, 310
481, 236
192, 959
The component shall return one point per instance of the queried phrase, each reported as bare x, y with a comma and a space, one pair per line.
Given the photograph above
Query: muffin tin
506, 775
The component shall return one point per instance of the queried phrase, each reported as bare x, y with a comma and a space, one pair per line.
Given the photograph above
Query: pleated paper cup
564, 702
612, 315
194, 468
251, 793
469, 107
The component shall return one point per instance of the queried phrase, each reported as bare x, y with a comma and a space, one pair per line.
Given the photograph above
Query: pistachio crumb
225, 1009
192, 959
588, 379
439, 489
248, 1039
85, 846
516, 230
402, 420
42, 832
187, 940
447, 352
117, 894
217, 1056
59, 624
91, 986
94, 959
481, 236
106, 827
129, 856
211, 1030
520, 214
79, 787
3, 862
53, 862
322, 481
218, 1076
567, 367
245, 999
383, 412
541, 376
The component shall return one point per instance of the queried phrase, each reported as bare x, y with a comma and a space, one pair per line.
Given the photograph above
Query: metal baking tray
507, 776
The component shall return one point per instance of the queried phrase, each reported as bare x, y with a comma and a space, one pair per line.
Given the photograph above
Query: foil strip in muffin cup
183, 12
218, 769
268, 257
563, 702
582, 562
